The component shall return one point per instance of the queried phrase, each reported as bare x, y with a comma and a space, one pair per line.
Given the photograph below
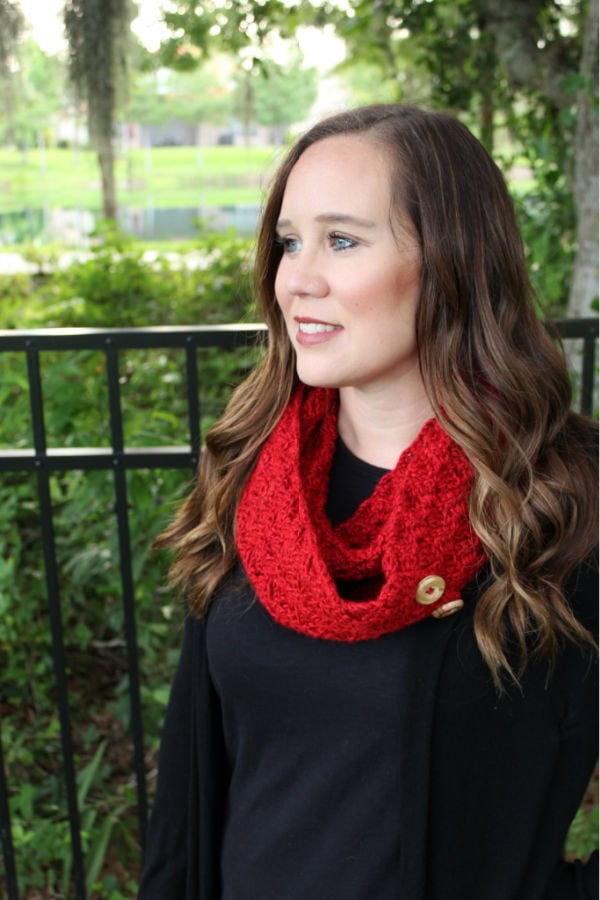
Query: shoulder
581, 592
572, 452
465, 666
584, 432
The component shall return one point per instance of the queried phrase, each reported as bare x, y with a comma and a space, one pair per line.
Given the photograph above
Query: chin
312, 378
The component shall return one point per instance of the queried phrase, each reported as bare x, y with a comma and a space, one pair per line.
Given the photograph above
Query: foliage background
120, 285
116, 287
465, 56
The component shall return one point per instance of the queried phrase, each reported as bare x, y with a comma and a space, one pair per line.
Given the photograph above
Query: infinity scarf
405, 554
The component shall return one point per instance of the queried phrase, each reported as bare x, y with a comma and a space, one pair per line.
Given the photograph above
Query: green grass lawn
167, 177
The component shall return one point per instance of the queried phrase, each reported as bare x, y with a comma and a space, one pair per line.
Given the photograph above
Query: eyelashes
342, 241
338, 242
289, 245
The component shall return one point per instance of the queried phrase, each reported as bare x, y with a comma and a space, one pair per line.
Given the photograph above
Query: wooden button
430, 589
448, 608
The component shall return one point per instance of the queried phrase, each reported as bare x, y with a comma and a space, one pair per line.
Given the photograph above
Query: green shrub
117, 286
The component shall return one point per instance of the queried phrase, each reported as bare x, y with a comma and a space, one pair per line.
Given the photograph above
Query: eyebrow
341, 218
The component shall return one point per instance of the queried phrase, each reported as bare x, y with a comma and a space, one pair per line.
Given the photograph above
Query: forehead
351, 168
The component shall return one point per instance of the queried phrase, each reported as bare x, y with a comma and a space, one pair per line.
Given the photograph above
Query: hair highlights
496, 381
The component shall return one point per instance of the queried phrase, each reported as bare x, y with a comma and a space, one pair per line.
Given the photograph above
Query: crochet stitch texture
359, 580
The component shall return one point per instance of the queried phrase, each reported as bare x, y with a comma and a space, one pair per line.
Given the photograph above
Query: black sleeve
574, 764
509, 772
577, 880
183, 838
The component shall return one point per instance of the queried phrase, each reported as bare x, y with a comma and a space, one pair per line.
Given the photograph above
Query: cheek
283, 302
280, 294
407, 288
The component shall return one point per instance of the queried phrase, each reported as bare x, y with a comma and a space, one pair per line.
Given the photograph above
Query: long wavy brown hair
495, 380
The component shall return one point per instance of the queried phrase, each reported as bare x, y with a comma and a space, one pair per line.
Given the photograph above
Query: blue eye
340, 242
290, 245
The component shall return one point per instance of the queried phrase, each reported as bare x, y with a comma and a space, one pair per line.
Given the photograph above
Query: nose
304, 277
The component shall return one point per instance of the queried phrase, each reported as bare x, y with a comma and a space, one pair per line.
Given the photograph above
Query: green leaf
97, 851
86, 776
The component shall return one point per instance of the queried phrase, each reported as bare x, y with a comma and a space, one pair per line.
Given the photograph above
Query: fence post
54, 612
8, 851
128, 595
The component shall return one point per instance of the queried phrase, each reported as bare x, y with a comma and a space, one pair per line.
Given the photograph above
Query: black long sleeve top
292, 767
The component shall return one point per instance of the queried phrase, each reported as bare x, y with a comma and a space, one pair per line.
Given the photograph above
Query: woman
386, 687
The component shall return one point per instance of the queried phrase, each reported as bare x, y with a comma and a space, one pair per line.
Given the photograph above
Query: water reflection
73, 226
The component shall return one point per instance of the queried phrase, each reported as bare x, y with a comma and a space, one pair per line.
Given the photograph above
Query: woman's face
347, 284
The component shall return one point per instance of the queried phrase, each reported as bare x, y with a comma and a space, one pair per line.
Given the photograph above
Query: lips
315, 327
313, 331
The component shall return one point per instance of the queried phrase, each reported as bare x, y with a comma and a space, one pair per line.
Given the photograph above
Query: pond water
72, 226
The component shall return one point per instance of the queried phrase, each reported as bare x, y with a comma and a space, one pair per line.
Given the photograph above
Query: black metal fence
44, 460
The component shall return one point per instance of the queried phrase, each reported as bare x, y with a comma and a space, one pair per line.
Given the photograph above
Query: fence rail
44, 460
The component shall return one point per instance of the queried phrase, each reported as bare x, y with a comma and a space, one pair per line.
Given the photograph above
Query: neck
378, 429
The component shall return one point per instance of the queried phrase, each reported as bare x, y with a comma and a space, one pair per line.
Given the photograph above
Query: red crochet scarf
411, 533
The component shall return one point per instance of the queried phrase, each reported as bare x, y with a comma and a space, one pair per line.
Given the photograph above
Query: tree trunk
584, 286
247, 109
488, 72
487, 120
106, 160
